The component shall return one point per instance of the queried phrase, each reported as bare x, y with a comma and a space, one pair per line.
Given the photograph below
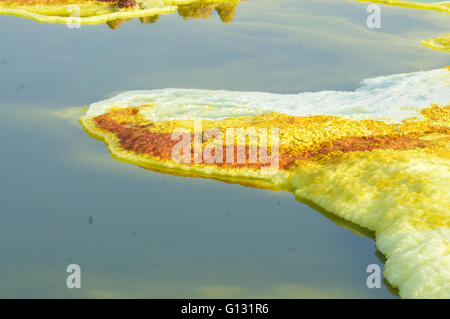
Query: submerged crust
390, 177
439, 43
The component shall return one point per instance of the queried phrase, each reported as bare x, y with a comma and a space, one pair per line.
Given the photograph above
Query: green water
137, 233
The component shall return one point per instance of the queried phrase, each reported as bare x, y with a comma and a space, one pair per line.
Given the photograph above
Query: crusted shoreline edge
304, 183
171, 7
247, 177
401, 196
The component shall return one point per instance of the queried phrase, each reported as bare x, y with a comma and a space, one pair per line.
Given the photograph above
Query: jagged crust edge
246, 177
435, 44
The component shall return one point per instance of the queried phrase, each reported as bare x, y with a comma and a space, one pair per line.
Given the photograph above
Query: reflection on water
196, 10
142, 234
136, 233
354, 228
149, 11
112, 13
226, 11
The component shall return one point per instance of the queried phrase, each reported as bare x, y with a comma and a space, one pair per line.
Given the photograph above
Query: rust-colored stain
354, 144
155, 139
138, 139
369, 143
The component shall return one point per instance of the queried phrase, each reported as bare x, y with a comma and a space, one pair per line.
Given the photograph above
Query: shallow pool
137, 233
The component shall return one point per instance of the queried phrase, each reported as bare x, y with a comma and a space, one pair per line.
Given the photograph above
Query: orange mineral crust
309, 138
142, 140
226, 11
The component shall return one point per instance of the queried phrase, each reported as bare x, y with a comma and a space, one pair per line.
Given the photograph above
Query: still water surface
137, 233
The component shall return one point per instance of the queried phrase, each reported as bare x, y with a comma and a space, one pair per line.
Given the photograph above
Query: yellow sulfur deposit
443, 6
439, 43
114, 12
382, 163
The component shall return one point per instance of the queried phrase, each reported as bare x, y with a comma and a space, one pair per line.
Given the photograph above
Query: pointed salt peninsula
377, 156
